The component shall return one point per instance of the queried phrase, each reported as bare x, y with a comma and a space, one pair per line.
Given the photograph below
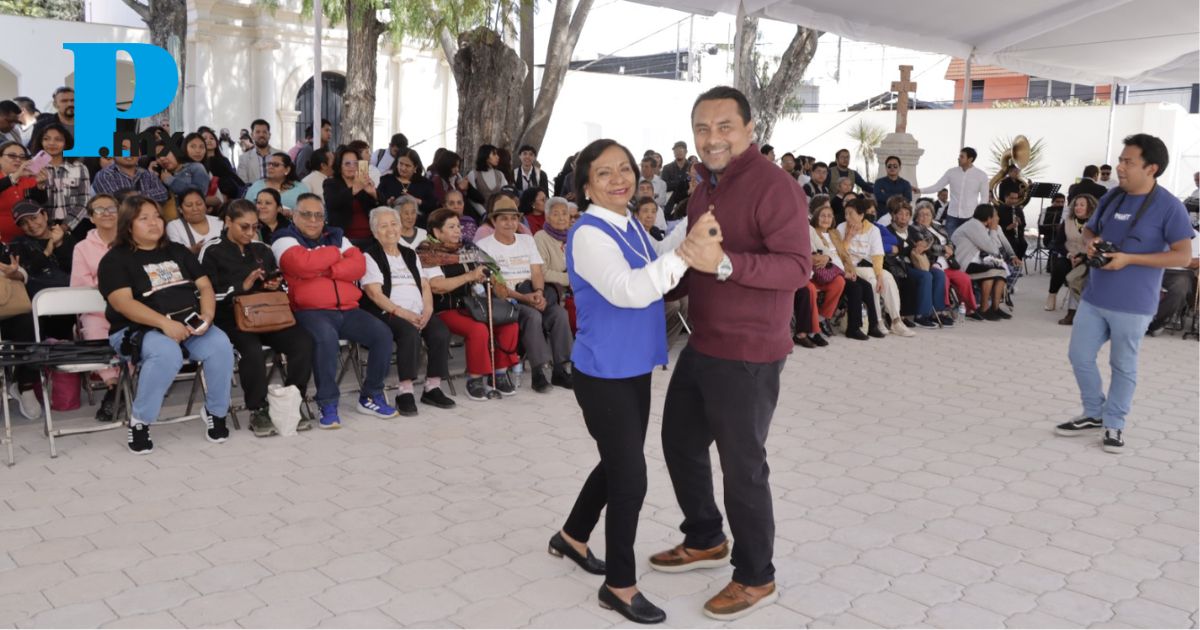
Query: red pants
833, 294
961, 282
476, 335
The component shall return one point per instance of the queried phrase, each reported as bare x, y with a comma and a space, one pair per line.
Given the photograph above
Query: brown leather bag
264, 312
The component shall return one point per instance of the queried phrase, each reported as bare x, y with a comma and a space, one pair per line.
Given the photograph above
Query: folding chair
70, 301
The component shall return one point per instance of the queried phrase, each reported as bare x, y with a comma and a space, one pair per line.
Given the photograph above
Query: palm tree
868, 137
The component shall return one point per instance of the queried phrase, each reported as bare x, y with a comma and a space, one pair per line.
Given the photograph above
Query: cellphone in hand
37, 162
194, 321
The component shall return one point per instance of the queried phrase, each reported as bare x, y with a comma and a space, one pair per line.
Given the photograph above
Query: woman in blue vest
619, 282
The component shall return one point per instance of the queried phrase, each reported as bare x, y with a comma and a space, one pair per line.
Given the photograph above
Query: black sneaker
1001, 314
540, 384
477, 389
217, 431
139, 440
434, 396
562, 378
856, 334
818, 340
504, 385
260, 423
876, 333
108, 406
992, 315
1113, 442
975, 315
925, 322
1078, 426
406, 405
946, 320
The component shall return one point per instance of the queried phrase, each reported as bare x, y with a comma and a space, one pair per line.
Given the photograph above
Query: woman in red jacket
321, 268
16, 184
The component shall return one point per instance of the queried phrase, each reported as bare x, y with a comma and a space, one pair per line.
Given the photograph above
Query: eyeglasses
275, 164
104, 209
311, 216
247, 227
15, 156
893, 166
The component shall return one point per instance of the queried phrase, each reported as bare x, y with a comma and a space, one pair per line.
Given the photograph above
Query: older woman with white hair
407, 207
396, 290
551, 243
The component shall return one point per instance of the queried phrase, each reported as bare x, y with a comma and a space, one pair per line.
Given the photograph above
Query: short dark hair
272, 193
890, 158
1106, 167
63, 90
641, 201
399, 140
26, 104
308, 132
1154, 151
970, 153
317, 159
1057, 196
443, 165
527, 147
241, 207
9, 107
583, 165
358, 146
306, 196
720, 93
1091, 170
438, 218
823, 165
259, 121
840, 152
35, 143
326, 122
984, 211
766, 148
287, 163
195, 135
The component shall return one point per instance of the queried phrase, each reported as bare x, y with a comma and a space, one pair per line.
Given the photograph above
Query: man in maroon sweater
726, 381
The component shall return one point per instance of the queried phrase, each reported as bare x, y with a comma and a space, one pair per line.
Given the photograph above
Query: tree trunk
564, 33
165, 18
526, 11
487, 73
362, 50
767, 102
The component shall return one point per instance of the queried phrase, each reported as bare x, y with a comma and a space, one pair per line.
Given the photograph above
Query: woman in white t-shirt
407, 206
396, 290
195, 226
865, 245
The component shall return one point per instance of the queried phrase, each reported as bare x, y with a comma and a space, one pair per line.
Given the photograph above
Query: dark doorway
333, 87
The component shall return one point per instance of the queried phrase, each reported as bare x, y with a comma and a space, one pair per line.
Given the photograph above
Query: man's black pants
730, 402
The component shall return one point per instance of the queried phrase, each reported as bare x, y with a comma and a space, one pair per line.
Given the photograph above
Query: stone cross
903, 87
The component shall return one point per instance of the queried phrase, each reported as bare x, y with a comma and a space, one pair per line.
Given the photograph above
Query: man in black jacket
1087, 185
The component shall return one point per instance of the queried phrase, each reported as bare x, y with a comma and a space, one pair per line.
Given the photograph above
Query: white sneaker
900, 330
27, 400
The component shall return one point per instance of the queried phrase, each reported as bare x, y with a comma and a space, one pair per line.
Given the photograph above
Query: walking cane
492, 393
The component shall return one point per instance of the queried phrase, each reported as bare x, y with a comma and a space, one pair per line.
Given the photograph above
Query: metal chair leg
49, 422
8, 439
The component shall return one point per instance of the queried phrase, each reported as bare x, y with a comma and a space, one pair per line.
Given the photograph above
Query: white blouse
821, 241
864, 245
599, 260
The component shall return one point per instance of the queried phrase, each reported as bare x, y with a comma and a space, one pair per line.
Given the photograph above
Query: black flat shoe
559, 548
876, 333
802, 341
639, 610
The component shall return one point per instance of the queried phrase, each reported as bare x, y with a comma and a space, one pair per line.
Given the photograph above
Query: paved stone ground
915, 497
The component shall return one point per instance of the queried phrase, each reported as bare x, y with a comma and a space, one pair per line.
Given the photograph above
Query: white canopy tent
1080, 41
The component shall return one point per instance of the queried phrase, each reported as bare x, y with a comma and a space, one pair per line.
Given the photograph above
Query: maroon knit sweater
764, 221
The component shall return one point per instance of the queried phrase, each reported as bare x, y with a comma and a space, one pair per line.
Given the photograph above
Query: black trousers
731, 403
857, 294
1060, 266
408, 347
1179, 285
907, 286
802, 310
293, 342
616, 412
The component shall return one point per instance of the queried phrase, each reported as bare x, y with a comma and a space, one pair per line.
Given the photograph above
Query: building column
265, 105
199, 83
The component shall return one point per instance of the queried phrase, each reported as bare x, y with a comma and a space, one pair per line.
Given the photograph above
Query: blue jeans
354, 325
952, 223
161, 359
1093, 326
931, 290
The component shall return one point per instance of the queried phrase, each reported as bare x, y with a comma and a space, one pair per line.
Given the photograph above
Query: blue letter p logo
96, 110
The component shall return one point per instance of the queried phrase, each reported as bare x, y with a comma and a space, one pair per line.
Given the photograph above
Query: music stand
1043, 191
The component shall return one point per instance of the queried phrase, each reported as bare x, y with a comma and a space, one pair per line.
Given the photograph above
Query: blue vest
615, 342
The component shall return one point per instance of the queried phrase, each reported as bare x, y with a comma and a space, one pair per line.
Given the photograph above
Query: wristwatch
725, 269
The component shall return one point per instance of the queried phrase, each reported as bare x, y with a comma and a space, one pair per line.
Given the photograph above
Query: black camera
1102, 249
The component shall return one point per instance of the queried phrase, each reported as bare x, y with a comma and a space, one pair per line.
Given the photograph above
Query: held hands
175, 330
537, 300
702, 248
413, 318
819, 260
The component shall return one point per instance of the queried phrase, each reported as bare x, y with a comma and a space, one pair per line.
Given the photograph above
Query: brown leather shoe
679, 558
738, 600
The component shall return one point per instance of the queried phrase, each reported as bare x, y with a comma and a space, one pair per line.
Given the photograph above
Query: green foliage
1034, 168
53, 9
868, 137
418, 21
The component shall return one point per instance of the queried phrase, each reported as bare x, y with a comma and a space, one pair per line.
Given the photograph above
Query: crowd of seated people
400, 260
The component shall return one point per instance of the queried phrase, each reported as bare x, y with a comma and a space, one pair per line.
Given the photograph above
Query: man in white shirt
1106, 178
528, 175
968, 188
252, 166
660, 187
521, 265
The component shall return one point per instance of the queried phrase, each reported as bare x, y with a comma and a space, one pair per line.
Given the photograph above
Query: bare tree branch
564, 33
143, 10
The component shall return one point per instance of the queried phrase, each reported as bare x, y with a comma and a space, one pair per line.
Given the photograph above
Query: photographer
1137, 231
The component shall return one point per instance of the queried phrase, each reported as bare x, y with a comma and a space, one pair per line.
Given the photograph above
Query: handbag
503, 311
826, 274
263, 312
895, 266
14, 299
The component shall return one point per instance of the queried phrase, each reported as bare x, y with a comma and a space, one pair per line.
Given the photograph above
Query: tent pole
316, 106
737, 43
966, 100
1112, 112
